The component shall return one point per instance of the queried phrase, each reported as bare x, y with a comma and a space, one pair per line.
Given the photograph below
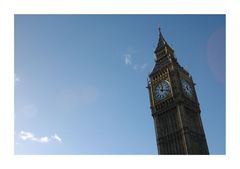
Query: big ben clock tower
174, 105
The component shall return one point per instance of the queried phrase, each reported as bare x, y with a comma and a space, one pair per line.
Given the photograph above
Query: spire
161, 41
159, 30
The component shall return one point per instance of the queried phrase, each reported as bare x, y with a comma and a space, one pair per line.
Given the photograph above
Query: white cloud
143, 66
128, 59
44, 140
16, 78
135, 67
138, 67
57, 138
28, 136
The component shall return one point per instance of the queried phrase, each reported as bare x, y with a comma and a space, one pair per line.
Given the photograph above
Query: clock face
162, 90
186, 87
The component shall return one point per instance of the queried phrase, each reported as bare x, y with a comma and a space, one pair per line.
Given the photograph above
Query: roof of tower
161, 42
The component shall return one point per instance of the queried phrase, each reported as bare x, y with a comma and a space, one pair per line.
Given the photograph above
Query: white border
7, 11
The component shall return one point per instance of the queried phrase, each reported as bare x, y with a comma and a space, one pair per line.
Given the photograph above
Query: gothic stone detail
174, 105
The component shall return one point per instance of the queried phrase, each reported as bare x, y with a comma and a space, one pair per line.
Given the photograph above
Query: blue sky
80, 80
